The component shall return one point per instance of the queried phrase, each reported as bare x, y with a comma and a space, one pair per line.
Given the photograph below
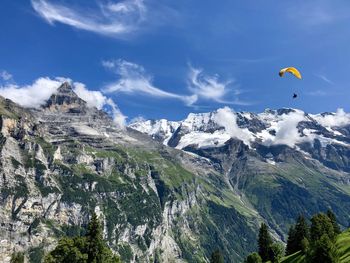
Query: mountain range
167, 191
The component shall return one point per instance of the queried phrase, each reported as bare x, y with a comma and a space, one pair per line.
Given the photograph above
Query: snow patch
203, 139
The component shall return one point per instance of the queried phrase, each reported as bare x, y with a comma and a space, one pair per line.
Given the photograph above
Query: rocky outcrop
158, 204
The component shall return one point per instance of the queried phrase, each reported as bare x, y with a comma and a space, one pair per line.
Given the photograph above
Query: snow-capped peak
272, 127
158, 129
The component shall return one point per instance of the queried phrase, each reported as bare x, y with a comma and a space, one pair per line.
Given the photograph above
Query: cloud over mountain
36, 95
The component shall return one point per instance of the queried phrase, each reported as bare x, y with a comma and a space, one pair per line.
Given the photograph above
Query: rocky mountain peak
66, 100
66, 88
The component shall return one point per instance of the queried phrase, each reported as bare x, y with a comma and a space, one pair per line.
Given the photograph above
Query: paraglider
291, 70
294, 72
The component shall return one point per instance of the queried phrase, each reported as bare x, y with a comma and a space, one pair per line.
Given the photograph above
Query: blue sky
164, 58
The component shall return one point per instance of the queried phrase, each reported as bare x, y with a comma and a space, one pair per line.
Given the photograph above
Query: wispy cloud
37, 93
133, 79
4, 75
324, 78
95, 98
246, 60
31, 96
112, 18
210, 87
308, 13
317, 93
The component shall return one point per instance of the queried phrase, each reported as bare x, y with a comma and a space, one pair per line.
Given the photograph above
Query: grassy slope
343, 246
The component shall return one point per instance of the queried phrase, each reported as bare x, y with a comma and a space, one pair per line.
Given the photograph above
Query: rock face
66, 101
160, 204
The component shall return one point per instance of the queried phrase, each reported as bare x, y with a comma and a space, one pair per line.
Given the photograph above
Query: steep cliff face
279, 163
59, 163
162, 204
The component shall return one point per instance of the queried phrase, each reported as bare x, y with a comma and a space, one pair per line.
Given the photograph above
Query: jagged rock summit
65, 115
66, 100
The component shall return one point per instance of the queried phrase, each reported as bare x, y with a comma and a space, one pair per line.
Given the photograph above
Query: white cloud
324, 78
138, 119
286, 130
325, 12
206, 86
36, 95
93, 98
228, 119
134, 80
98, 100
114, 18
211, 88
338, 119
5, 75
32, 96
316, 93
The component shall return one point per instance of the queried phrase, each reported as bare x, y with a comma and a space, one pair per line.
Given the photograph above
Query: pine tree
321, 225
88, 249
264, 242
324, 251
302, 231
216, 257
94, 238
291, 244
333, 219
68, 250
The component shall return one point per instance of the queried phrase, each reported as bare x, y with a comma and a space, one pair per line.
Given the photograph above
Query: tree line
90, 248
314, 240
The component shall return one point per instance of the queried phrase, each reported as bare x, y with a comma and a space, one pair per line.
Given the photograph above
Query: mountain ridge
272, 127
158, 203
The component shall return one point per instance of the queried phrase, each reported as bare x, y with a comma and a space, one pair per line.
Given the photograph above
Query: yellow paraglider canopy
291, 70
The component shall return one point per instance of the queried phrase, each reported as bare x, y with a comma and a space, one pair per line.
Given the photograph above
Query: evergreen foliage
68, 250
276, 252
324, 251
297, 234
333, 219
305, 245
302, 230
321, 225
291, 241
320, 243
95, 244
264, 242
88, 249
253, 258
